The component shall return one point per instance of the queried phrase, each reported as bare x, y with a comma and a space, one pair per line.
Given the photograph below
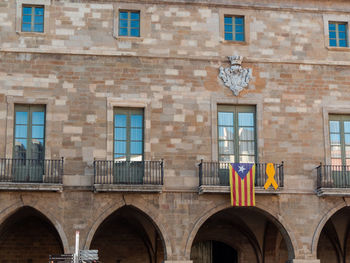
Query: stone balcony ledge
136, 188
7, 186
211, 189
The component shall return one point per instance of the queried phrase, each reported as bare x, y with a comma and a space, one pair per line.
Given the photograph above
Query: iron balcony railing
217, 174
129, 172
31, 171
333, 176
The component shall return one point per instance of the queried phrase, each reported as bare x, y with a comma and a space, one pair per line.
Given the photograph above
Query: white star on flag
241, 169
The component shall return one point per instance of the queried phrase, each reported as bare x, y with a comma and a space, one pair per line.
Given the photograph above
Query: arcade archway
28, 236
242, 235
128, 236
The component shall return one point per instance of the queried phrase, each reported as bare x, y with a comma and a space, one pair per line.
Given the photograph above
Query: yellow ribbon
270, 171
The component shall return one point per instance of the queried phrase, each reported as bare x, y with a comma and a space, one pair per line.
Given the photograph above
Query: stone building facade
79, 72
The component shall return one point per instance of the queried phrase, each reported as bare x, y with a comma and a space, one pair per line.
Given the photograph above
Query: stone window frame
10, 115
341, 110
230, 12
19, 6
338, 19
237, 102
145, 23
113, 103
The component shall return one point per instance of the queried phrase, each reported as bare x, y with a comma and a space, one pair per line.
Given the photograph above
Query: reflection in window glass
129, 23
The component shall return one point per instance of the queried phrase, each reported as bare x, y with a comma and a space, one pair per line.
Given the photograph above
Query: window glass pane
239, 20
245, 119
37, 145
226, 147
20, 145
27, 19
239, 37
27, 10
342, 35
247, 159
227, 158
347, 151
123, 23
134, 32
136, 134
332, 34
246, 134
136, 158
225, 133
136, 148
38, 28
120, 133
21, 131
335, 139
331, 26
26, 27
135, 15
38, 132
246, 148
38, 118
336, 162
342, 27
135, 23
228, 20
239, 29
335, 152
136, 121
225, 118
39, 11
347, 126
123, 15
21, 117
228, 28
343, 43
120, 120
39, 20
123, 31
334, 126
347, 139
119, 157
228, 36
332, 42
120, 147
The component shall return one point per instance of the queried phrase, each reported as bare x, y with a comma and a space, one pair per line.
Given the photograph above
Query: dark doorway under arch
334, 241
128, 236
247, 234
28, 236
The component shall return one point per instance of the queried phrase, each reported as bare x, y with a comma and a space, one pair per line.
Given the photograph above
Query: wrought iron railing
31, 171
217, 174
333, 176
127, 172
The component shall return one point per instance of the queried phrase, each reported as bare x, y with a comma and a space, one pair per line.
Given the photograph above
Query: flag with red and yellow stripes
242, 182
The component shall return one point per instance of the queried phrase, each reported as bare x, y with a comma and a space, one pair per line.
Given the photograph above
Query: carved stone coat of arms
235, 77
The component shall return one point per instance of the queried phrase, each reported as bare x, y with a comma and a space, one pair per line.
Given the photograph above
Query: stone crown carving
235, 77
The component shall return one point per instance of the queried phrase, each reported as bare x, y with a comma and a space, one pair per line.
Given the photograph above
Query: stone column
179, 261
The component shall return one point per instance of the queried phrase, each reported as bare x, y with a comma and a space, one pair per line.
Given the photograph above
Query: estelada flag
242, 184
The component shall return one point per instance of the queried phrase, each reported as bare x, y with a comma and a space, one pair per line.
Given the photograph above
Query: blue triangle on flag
242, 169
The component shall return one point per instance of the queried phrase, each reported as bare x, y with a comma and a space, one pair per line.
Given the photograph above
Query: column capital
304, 261
178, 261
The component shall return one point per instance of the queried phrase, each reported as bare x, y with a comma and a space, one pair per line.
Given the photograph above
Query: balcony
128, 176
31, 174
214, 177
333, 180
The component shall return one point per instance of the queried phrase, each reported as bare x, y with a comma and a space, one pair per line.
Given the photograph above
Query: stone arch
12, 209
267, 211
322, 223
144, 208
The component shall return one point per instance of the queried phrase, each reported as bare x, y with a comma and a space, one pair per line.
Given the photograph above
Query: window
29, 135
129, 23
236, 134
338, 34
128, 134
234, 28
339, 130
32, 18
